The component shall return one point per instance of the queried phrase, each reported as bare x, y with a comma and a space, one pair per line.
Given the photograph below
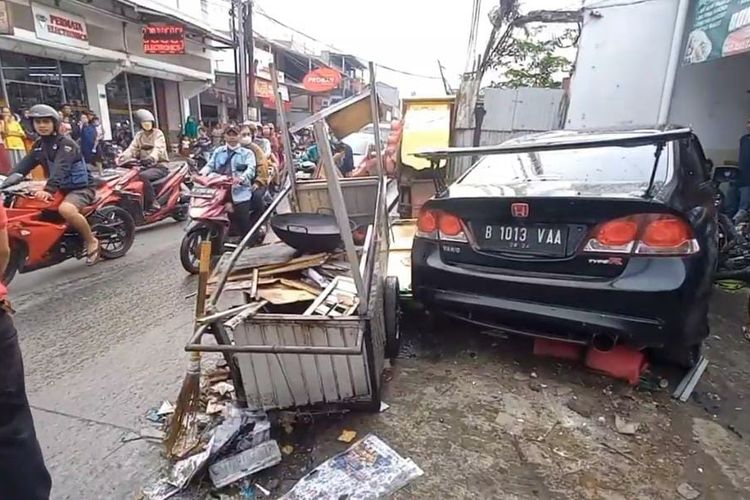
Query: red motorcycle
210, 206
170, 191
40, 237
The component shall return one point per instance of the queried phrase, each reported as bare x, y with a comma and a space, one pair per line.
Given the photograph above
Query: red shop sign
164, 39
322, 80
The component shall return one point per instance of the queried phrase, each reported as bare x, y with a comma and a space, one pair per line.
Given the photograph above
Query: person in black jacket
22, 470
66, 172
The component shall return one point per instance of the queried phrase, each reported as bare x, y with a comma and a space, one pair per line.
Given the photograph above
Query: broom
183, 430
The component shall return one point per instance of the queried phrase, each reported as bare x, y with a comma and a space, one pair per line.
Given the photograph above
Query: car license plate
537, 239
202, 192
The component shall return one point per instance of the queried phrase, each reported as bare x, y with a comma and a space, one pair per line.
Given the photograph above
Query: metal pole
288, 158
233, 13
375, 112
339, 210
241, 47
250, 45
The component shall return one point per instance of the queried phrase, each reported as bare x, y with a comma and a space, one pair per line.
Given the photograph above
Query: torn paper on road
234, 468
368, 469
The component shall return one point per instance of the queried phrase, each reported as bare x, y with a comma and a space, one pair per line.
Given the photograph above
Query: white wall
713, 98
622, 60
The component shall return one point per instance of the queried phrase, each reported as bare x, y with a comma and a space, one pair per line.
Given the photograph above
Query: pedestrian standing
5, 167
88, 139
739, 198
191, 128
73, 130
14, 136
23, 474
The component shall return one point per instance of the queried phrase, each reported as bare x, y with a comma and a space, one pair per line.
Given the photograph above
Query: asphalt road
101, 346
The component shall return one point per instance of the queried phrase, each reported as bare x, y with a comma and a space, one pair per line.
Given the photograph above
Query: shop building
660, 62
82, 53
293, 65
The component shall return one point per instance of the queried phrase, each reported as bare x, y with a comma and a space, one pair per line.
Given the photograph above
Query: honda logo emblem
519, 209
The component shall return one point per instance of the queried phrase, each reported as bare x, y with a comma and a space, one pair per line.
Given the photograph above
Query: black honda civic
591, 237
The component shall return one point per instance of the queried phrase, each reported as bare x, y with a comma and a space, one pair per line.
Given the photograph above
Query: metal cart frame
280, 361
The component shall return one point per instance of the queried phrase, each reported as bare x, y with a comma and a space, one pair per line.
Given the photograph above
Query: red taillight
432, 223
449, 224
668, 232
427, 222
667, 235
617, 232
649, 234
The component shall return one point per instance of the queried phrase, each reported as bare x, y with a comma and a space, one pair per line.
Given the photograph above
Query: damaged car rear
590, 237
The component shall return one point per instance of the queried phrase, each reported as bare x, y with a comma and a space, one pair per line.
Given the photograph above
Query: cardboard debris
234, 468
347, 436
185, 470
368, 469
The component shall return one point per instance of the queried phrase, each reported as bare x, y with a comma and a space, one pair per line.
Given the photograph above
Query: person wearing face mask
262, 170
150, 148
237, 162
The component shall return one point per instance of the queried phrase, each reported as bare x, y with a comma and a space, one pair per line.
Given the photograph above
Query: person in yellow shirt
14, 136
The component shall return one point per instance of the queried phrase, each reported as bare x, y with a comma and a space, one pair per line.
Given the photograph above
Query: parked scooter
210, 205
40, 237
171, 193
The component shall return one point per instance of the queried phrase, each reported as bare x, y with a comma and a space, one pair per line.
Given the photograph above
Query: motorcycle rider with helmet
66, 172
149, 146
234, 161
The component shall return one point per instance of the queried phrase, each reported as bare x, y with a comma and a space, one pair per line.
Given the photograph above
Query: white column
97, 75
188, 90
223, 111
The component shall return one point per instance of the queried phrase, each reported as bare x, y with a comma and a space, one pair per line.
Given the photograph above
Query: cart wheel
392, 313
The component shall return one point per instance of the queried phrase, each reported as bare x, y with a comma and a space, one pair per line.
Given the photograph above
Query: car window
601, 164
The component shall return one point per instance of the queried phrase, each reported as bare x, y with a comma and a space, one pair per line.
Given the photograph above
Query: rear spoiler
551, 145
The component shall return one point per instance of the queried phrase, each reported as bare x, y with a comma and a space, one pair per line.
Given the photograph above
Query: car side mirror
725, 174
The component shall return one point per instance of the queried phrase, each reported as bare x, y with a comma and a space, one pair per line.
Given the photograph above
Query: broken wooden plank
265, 255
235, 321
254, 288
304, 262
279, 294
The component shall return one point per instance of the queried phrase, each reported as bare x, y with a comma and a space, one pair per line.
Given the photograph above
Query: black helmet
44, 111
144, 115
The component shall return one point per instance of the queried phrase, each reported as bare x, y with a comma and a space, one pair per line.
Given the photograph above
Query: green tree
531, 61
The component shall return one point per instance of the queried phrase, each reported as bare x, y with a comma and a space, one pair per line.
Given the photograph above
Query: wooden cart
333, 356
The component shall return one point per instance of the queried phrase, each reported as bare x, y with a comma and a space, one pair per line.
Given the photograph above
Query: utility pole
239, 6
250, 47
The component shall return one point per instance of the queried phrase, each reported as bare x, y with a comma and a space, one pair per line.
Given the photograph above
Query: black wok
308, 232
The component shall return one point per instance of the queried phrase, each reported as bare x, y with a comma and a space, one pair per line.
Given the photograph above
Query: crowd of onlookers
264, 135
17, 134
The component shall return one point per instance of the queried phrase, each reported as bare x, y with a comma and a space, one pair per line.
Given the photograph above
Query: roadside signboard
164, 39
322, 80
720, 28
58, 26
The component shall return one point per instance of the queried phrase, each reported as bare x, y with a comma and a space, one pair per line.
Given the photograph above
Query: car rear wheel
684, 356
392, 314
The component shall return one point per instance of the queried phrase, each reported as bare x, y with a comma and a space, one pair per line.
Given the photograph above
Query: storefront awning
166, 71
26, 41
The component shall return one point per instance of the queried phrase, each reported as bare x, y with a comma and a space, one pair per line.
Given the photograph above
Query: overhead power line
260, 11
